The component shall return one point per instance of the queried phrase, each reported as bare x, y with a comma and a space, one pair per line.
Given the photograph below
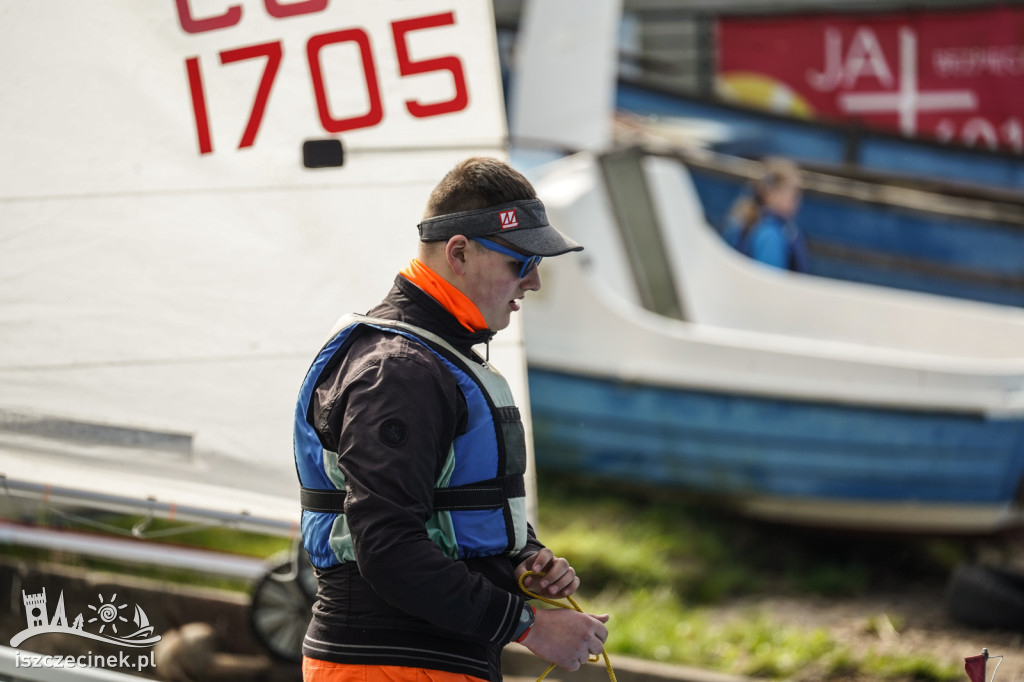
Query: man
411, 455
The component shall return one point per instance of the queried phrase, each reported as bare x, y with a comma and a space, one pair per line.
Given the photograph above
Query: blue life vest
479, 498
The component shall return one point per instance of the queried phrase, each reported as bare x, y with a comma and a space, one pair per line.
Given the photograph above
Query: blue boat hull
736, 446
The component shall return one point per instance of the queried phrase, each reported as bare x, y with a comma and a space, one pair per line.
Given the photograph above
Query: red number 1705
374, 114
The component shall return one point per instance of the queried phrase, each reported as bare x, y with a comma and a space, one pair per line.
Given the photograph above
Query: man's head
482, 223
485, 197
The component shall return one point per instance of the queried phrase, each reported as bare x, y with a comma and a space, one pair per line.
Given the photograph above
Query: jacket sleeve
395, 421
533, 545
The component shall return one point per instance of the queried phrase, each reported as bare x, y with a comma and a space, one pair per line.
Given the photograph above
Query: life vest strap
490, 494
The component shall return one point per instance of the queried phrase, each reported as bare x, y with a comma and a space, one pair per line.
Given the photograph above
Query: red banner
951, 75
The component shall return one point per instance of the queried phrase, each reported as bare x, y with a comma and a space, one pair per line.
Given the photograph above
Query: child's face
783, 199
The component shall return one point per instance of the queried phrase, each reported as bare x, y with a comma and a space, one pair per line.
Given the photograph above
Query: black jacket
404, 602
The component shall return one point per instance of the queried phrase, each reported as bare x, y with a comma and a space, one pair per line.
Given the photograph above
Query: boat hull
799, 461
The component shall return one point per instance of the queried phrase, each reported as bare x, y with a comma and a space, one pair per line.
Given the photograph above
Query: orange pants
314, 670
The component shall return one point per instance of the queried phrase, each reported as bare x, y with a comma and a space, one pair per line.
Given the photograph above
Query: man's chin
498, 325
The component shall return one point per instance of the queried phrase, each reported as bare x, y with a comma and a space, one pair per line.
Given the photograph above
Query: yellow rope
534, 595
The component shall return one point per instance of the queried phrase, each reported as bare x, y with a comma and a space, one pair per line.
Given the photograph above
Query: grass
662, 566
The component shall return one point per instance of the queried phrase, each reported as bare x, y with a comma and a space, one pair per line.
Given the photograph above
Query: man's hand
566, 638
559, 579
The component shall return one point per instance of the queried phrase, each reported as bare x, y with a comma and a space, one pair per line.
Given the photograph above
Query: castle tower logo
105, 621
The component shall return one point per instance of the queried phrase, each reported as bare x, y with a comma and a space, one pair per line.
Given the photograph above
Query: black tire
986, 597
281, 606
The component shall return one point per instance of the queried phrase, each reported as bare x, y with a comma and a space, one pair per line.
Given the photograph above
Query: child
760, 224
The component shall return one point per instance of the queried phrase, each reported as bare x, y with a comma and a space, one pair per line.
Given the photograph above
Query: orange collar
445, 293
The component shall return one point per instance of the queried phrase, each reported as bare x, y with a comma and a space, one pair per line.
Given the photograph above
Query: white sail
169, 265
563, 88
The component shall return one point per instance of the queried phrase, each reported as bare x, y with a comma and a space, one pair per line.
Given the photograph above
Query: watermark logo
106, 620
104, 614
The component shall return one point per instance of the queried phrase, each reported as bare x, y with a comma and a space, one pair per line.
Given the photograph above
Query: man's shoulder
382, 370
386, 363
390, 360
374, 345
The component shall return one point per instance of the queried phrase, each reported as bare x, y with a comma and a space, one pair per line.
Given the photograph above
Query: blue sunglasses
529, 262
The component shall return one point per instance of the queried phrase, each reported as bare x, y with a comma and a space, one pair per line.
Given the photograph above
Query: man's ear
455, 252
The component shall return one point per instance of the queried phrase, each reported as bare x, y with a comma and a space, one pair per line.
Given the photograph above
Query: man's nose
532, 281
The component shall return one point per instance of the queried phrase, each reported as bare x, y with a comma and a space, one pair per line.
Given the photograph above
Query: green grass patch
656, 625
660, 566
910, 667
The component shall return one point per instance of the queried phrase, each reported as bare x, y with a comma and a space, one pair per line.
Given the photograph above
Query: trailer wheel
986, 597
281, 605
